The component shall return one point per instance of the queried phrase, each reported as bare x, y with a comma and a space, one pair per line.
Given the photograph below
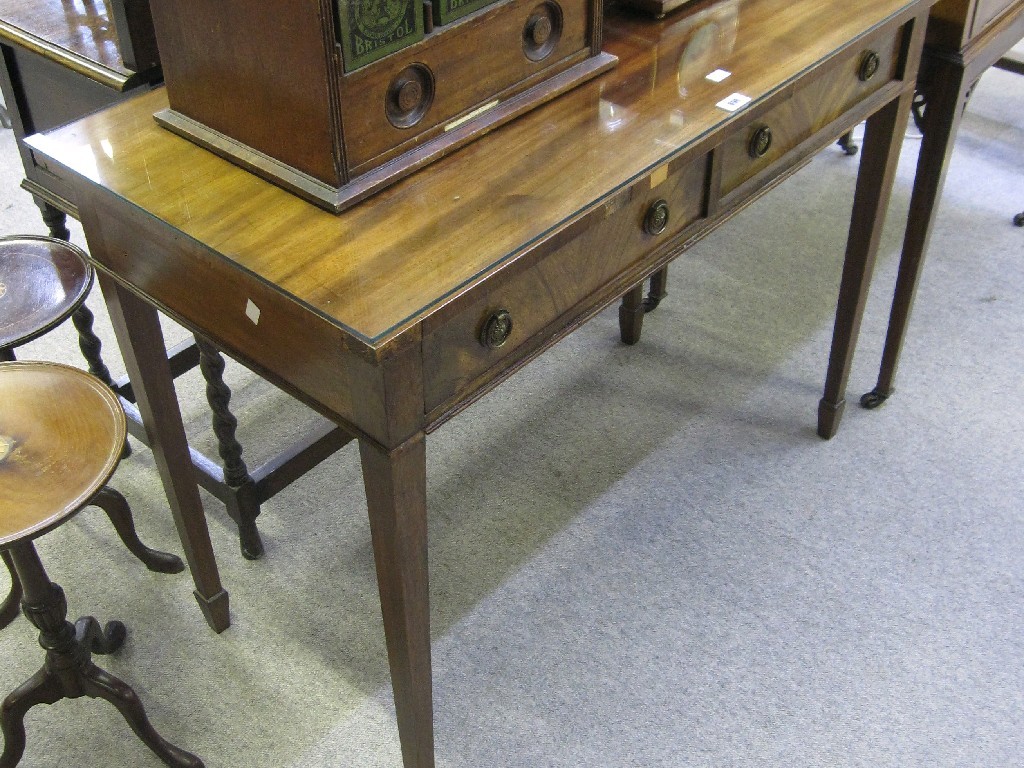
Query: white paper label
252, 312
734, 102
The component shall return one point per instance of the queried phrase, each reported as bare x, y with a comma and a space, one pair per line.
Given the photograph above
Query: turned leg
631, 315
883, 139
244, 509
396, 499
9, 607
120, 514
658, 289
68, 671
634, 306
91, 345
55, 220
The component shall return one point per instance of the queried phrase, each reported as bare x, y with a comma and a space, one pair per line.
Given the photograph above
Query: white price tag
252, 312
734, 102
718, 75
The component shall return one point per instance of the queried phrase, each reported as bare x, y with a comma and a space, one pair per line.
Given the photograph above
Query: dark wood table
63, 60
396, 314
964, 39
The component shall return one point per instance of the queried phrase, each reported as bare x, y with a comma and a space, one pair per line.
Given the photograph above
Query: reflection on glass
613, 116
88, 25
689, 45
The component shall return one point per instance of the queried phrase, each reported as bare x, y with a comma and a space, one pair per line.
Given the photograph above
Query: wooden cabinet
287, 90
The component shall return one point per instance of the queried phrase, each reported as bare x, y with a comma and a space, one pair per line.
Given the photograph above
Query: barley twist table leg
243, 507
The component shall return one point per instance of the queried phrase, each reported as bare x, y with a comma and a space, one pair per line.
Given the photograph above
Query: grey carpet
639, 556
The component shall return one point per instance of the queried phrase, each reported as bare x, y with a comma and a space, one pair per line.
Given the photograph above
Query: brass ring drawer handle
760, 142
496, 330
656, 219
869, 65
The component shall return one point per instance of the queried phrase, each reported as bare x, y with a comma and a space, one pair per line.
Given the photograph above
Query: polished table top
77, 33
387, 264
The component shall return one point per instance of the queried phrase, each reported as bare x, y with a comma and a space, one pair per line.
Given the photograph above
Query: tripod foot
100, 641
120, 514
68, 671
41, 688
98, 683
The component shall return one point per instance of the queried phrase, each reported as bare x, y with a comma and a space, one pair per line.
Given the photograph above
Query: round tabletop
61, 435
42, 281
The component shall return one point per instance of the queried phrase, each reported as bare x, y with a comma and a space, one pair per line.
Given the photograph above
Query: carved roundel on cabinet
542, 30
409, 96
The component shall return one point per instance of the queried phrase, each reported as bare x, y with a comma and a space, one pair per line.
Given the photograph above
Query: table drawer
769, 137
554, 282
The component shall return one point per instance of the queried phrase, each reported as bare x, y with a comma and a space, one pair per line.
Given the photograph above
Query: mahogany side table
964, 40
401, 311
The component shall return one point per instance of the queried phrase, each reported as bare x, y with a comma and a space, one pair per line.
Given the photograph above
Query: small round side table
43, 281
61, 433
